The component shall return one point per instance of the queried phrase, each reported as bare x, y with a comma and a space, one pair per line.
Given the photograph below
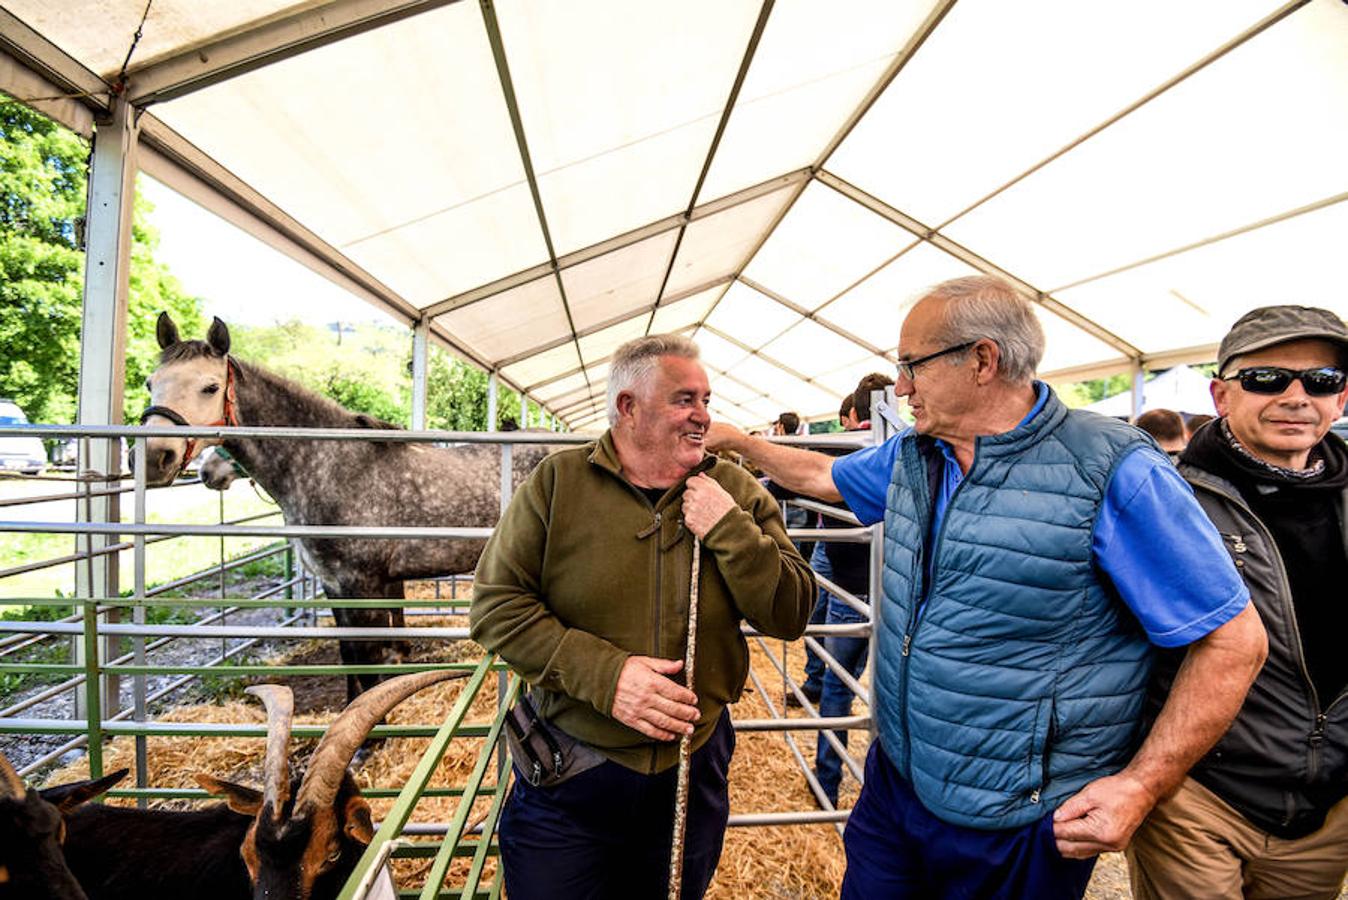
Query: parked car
65, 452
19, 453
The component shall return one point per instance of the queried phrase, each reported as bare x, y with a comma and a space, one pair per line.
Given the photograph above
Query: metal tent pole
419, 345
492, 389
111, 195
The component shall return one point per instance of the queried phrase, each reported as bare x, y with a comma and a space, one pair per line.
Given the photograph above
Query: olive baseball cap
1270, 325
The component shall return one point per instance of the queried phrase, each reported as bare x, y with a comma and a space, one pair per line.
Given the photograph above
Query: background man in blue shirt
1033, 557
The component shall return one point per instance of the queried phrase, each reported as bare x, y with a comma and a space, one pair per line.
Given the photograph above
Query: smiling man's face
1281, 428
669, 419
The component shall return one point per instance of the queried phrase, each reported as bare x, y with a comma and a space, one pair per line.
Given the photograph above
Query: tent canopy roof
544, 180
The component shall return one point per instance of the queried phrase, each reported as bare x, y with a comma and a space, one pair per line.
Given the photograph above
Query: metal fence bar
392, 436
440, 868
857, 770
88, 631
140, 703
118, 548
276, 531
401, 812
810, 779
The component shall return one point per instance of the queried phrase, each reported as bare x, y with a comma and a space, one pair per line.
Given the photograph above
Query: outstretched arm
1208, 692
804, 471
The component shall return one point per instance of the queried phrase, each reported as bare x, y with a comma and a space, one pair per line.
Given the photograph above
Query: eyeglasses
906, 366
1274, 380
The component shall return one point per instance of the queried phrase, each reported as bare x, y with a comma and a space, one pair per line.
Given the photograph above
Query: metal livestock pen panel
96, 624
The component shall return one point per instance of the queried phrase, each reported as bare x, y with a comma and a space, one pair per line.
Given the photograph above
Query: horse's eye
211, 389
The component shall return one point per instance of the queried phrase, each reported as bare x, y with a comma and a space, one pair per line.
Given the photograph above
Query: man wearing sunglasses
1264, 814
1033, 557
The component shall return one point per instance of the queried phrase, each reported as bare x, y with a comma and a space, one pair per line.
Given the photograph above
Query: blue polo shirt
1159, 549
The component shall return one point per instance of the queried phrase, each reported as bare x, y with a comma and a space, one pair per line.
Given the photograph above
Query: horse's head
218, 469
194, 385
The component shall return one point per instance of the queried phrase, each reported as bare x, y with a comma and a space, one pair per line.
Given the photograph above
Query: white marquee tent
533, 182
1181, 389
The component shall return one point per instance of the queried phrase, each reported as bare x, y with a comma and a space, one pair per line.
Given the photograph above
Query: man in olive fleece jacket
584, 590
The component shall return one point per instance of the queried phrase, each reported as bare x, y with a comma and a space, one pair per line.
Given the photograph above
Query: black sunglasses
1274, 380
906, 366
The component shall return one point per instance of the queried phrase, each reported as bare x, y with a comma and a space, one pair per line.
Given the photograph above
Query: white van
18, 453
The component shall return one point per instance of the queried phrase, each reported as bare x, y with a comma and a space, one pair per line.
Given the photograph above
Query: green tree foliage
456, 395
43, 174
1084, 393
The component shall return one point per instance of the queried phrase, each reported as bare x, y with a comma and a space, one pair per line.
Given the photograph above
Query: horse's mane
180, 351
333, 413
367, 421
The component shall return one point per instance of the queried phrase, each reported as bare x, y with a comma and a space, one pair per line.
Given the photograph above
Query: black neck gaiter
1301, 511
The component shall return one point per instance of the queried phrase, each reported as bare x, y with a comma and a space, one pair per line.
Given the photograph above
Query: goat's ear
356, 821
218, 336
66, 797
243, 800
166, 331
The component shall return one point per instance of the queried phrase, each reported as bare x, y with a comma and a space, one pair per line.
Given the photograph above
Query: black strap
535, 764
542, 727
166, 413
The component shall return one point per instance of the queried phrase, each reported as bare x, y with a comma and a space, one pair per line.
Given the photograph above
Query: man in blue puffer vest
1033, 557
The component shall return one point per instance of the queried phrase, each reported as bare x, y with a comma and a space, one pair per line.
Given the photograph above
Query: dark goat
293, 840
31, 830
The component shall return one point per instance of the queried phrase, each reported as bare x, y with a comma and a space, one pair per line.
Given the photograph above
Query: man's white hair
636, 359
984, 306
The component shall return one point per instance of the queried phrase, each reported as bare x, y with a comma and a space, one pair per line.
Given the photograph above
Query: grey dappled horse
352, 483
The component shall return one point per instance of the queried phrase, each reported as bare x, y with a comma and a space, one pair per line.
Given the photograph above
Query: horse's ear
218, 336
166, 331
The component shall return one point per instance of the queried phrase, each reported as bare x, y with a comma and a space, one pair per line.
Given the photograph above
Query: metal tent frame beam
620, 242
498, 53
764, 12
616, 320
263, 43
57, 70
963, 254
901, 59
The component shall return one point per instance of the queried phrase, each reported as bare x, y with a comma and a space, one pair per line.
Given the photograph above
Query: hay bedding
798, 862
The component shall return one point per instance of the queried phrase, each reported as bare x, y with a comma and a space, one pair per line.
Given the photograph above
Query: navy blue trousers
836, 697
814, 666
897, 849
606, 833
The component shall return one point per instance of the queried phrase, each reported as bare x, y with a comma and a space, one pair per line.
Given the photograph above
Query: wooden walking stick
685, 742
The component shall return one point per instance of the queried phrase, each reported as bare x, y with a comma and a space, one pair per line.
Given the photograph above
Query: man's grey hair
636, 359
984, 306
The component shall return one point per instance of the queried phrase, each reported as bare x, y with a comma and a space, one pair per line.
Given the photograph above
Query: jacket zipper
1045, 750
923, 565
920, 577
1319, 718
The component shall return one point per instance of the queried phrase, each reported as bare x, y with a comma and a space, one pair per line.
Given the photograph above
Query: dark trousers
814, 666
897, 850
606, 833
836, 697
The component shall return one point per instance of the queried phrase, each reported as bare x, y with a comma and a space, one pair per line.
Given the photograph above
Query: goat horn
344, 736
11, 785
280, 703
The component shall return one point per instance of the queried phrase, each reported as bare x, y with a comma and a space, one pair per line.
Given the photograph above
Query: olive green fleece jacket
583, 572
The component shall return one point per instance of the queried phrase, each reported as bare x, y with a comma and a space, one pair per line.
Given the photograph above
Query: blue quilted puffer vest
1021, 676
